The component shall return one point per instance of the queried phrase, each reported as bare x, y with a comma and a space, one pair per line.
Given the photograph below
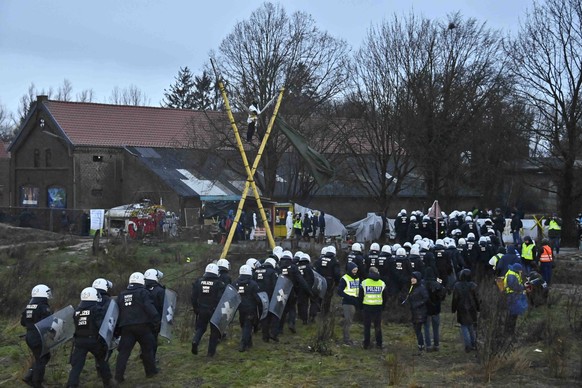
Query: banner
56, 329
109, 321
280, 296
168, 313
226, 309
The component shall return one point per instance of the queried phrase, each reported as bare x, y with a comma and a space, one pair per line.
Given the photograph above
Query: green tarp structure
320, 167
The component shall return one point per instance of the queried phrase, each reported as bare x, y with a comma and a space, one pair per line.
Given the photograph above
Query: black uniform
158, 293
88, 318
266, 278
371, 260
137, 321
328, 267
36, 310
358, 259
248, 290
206, 293
401, 228
400, 271
305, 310
290, 270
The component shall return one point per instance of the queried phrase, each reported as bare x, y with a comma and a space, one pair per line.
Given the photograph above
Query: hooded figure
436, 294
508, 259
466, 304
417, 299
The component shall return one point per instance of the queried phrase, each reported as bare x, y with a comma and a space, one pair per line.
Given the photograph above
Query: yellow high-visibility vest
373, 292
352, 285
527, 251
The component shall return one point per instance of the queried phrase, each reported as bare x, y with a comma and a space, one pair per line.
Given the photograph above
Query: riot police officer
36, 310
266, 278
137, 321
206, 293
248, 290
152, 279
88, 319
328, 267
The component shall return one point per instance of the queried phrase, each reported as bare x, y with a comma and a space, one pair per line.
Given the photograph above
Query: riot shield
168, 311
280, 296
226, 309
265, 302
319, 285
108, 324
56, 329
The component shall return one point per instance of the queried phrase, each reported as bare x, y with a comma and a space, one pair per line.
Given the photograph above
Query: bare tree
65, 91
27, 99
547, 63
131, 95
7, 124
87, 95
272, 49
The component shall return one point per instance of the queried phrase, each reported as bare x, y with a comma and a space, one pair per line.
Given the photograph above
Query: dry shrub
396, 369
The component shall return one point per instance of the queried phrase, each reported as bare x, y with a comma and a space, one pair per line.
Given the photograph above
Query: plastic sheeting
368, 229
333, 226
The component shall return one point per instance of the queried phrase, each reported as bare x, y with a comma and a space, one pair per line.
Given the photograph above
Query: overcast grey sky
102, 44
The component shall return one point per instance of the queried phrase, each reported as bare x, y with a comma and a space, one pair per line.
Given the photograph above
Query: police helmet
102, 284
386, 248
270, 261
375, 247
401, 252
245, 270
331, 250
356, 247
153, 274
252, 262
305, 258
223, 264
41, 291
212, 268
137, 278
90, 294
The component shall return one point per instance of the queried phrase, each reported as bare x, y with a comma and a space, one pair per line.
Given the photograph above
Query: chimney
41, 98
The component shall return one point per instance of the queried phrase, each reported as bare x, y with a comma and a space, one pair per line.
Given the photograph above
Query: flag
435, 210
320, 167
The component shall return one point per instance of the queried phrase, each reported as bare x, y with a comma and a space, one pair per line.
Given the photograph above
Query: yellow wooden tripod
250, 183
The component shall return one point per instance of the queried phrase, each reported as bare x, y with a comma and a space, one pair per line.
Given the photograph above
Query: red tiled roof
90, 124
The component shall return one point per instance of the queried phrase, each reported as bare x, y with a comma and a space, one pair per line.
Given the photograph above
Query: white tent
333, 226
368, 229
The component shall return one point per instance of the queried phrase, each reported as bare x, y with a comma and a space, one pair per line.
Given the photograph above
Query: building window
36, 161
29, 196
97, 158
48, 156
57, 197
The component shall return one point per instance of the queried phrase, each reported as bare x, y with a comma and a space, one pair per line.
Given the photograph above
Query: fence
73, 221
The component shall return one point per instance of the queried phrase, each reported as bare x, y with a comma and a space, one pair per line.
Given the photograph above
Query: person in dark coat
306, 304
400, 271
348, 290
371, 258
328, 267
158, 293
436, 294
137, 321
248, 290
321, 223
356, 256
466, 305
206, 293
223, 271
516, 226
266, 278
372, 297
417, 299
509, 258
36, 310
401, 226
88, 319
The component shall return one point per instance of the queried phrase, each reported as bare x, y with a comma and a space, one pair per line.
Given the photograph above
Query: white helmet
252, 262
414, 251
471, 235
102, 284
386, 248
271, 261
223, 263
305, 257
482, 239
468, 219
212, 268
452, 243
408, 245
245, 270
278, 250
331, 249
412, 218
41, 291
153, 274
278, 254
287, 255
401, 252
298, 254
323, 251
403, 211
417, 237
375, 247
462, 241
395, 247
90, 294
137, 277
356, 247
439, 242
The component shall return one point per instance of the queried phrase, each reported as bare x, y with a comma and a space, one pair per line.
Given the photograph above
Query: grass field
545, 352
